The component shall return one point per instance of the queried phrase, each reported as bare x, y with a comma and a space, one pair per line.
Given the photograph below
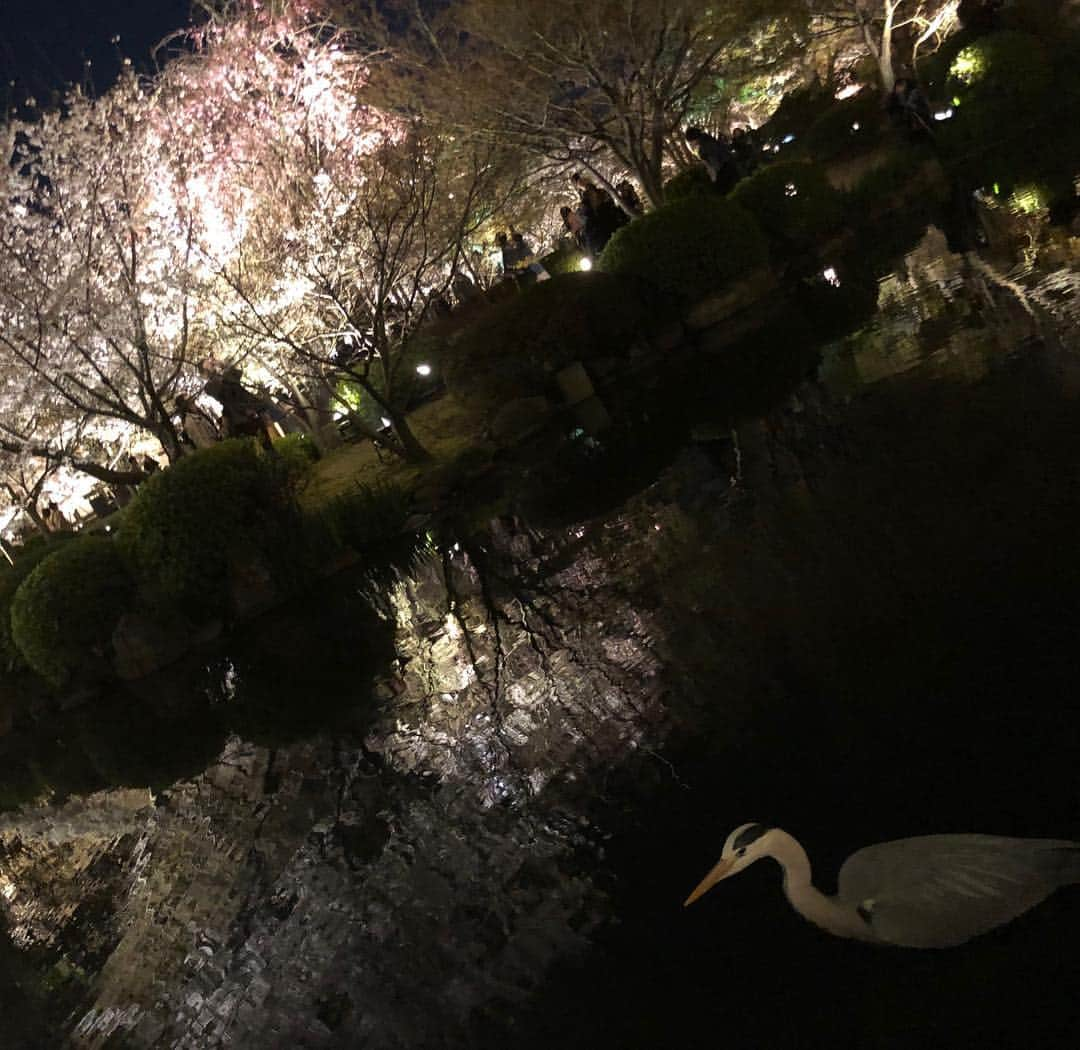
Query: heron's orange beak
719, 873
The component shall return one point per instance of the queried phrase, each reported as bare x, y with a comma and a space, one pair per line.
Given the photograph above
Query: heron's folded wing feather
937, 891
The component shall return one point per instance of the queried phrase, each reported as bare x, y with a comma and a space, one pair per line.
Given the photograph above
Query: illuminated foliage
602, 84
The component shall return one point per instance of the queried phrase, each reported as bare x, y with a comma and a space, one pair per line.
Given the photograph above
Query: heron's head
747, 843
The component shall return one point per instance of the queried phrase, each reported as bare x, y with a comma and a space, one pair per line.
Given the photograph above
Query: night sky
44, 43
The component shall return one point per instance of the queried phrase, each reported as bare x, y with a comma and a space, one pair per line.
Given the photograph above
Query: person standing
715, 153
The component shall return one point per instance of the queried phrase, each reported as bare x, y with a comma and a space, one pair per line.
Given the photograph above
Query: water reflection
954, 315
306, 667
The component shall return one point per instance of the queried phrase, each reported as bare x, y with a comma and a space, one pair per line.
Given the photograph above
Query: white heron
935, 891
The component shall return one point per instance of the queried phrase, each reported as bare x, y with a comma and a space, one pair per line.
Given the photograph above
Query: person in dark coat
747, 151
907, 104
715, 153
629, 197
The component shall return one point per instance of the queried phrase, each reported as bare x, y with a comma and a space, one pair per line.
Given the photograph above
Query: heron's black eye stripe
751, 834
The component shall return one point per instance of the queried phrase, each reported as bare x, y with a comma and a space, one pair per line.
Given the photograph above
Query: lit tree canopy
610, 80
97, 275
892, 30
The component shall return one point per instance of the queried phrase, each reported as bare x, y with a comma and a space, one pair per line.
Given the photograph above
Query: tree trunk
413, 450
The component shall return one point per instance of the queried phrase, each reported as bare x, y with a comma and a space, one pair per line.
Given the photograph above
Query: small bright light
585, 265
791, 190
855, 126
943, 114
831, 276
423, 370
385, 421
108, 528
787, 138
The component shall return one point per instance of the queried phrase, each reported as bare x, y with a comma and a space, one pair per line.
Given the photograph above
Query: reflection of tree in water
289, 674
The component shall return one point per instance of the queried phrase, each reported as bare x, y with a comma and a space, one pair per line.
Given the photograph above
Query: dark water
907, 664
873, 635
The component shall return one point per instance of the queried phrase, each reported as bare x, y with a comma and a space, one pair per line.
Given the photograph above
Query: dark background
45, 44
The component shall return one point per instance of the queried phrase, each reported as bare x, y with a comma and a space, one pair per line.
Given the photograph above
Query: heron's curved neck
826, 912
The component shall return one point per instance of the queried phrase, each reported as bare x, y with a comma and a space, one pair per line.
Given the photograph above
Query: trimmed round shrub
27, 558
512, 349
64, 612
846, 129
693, 182
688, 249
792, 201
189, 524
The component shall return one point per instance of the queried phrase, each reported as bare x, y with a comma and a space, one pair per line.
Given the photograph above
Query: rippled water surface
897, 655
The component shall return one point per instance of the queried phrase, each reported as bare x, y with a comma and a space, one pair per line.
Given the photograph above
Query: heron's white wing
937, 891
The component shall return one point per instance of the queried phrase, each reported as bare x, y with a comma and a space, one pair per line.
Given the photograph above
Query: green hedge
64, 612
189, 524
693, 182
847, 128
792, 201
688, 248
512, 349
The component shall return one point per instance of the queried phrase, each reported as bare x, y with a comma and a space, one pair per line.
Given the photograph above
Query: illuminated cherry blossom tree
97, 277
333, 224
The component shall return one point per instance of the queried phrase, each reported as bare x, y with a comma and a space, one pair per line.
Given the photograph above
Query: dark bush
792, 201
188, 525
64, 612
693, 182
513, 349
1012, 90
27, 558
891, 206
367, 517
891, 184
797, 111
847, 128
688, 249
297, 455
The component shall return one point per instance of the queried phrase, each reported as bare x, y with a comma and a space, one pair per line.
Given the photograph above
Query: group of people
243, 414
726, 159
518, 258
598, 214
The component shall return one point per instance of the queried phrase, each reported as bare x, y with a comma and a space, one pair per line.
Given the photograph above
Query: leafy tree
892, 30
610, 81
